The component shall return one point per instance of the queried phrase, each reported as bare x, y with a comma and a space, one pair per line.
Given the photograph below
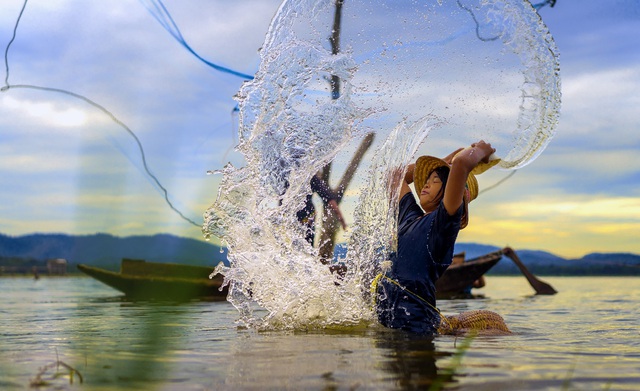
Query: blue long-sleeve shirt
425, 250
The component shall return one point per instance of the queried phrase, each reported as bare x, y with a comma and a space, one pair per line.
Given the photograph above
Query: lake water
584, 338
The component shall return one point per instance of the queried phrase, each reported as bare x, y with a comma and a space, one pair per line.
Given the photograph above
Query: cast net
453, 70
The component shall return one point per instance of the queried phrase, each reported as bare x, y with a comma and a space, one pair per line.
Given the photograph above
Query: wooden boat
166, 281
139, 279
458, 277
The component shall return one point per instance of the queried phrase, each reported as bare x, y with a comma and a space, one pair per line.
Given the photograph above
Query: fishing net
452, 71
474, 322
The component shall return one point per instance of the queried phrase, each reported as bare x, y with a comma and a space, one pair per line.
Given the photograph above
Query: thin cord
551, 3
473, 16
160, 13
7, 86
537, 6
374, 289
234, 132
121, 124
501, 181
6, 51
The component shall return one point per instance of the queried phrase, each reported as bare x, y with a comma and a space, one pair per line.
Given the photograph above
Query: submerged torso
406, 298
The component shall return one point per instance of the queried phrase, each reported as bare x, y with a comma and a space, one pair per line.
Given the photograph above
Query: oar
541, 288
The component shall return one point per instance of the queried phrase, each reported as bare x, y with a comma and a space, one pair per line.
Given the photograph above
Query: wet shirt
425, 250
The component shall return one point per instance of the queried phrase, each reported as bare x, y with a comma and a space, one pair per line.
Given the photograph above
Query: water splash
408, 70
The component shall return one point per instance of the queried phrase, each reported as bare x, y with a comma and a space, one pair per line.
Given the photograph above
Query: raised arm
450, 156
404, 180
461, 165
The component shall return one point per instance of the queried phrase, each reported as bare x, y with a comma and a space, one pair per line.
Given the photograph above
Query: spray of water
408, 70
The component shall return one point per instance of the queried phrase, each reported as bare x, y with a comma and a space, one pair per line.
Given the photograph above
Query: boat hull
147, 280
166, 281
457, 278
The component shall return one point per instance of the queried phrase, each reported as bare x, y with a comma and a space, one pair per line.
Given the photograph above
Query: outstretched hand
486, 148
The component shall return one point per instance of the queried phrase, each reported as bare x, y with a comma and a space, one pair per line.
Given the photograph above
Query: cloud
64, 162
578, 208
46, 113
20, 163
595, 104
569, 228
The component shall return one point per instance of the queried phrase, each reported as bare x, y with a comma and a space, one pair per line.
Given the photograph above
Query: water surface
585, 337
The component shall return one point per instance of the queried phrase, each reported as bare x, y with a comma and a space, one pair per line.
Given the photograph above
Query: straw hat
426, 164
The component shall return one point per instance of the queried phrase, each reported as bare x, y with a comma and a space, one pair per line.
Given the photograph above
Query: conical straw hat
426, 164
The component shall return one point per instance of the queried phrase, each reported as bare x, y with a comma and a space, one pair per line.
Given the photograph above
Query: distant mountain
107, 250
473, 250
545, 263
617, 258
531, 258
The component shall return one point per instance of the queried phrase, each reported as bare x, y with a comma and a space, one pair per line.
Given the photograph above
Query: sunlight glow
622, 208
48, 112
567, 227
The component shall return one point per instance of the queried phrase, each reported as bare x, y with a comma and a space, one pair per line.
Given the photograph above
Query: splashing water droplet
458, 70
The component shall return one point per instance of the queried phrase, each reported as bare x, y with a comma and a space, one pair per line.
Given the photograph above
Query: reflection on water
369, 359
411, 360
585, 337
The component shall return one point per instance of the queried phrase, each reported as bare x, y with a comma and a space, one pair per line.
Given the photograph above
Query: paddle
541, 288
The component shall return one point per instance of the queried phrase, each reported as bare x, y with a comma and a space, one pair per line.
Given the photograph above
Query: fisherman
459, 259
427, 231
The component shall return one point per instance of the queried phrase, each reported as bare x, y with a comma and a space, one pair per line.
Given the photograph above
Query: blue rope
475, 20
8, 86
157, 9
551, 3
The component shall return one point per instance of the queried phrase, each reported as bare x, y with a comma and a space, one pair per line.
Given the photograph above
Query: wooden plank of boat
148, 280
458, 277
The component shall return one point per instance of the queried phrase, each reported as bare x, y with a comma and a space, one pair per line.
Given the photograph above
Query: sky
67, 167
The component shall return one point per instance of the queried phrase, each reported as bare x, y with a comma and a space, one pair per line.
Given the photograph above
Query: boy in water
427, 232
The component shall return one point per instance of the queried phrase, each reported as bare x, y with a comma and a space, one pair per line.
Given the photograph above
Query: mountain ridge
546, 263
107, 250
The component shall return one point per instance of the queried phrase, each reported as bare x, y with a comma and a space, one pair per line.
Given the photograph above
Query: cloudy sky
67, 166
